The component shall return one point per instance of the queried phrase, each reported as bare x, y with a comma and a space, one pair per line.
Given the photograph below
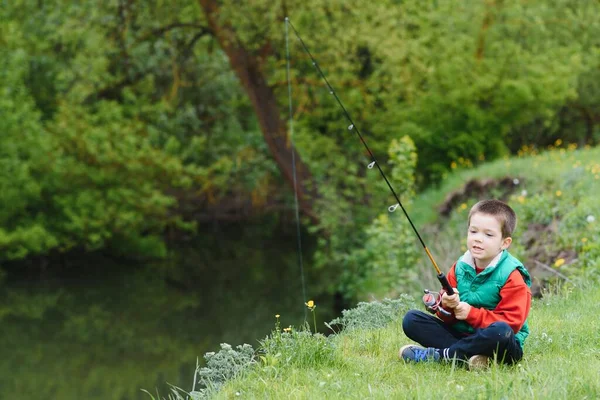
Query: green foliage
123, 120
387, 260
228, 363
374, 314
96, 150
382, 256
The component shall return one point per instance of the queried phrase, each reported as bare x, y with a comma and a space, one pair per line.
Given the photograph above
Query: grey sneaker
418, 354
478, 362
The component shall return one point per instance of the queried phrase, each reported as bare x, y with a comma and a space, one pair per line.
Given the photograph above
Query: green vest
483, 290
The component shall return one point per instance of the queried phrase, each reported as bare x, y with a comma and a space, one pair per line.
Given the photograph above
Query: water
102, 329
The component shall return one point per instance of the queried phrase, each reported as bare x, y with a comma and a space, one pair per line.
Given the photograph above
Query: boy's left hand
461, 311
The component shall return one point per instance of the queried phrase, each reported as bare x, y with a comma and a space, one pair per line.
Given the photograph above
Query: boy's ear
506, 243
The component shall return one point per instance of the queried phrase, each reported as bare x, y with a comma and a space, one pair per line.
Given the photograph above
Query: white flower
590, 218
515, 181
524, 193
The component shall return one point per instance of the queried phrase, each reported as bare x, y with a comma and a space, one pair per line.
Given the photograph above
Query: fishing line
352, 127
291, 129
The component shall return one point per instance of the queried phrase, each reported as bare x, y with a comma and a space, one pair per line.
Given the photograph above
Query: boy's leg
428, 330
497, 339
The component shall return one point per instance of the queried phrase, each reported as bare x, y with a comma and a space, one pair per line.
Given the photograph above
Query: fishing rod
432, 300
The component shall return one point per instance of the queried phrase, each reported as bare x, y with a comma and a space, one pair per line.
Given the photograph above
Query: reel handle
432, 302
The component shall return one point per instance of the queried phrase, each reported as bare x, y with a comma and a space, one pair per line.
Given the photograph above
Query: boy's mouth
477, 248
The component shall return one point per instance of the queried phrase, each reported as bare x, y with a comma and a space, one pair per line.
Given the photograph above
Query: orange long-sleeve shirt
513, 307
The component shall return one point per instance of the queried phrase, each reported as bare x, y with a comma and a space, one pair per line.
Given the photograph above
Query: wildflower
516, 181
277, 315
463, 206
546, 337
558, 193
559, 262
453, 165
583, 240
558, 142
521, 199
523, 193
289, 329
590, 218
311, 306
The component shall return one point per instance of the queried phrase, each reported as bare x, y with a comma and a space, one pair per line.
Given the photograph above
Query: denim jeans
498, 339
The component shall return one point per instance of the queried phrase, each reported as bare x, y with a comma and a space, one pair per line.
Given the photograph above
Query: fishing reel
433, 302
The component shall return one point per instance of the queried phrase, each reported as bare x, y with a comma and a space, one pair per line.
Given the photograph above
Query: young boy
488, 312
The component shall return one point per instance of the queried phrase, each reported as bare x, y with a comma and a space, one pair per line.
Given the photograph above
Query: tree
250, 71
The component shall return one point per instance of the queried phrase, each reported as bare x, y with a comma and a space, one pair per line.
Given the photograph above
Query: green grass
562, 361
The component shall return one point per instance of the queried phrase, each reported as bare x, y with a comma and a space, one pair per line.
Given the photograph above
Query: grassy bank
562, 361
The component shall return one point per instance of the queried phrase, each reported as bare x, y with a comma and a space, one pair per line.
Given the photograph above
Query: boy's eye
489, 235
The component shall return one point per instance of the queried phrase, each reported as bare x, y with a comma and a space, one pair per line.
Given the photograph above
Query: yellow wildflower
559, 262
453, 165
276, 315
463, 206
287, 329
558, 193
583, 240
310, 304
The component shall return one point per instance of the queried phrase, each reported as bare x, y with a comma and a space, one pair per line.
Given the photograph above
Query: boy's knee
502, 331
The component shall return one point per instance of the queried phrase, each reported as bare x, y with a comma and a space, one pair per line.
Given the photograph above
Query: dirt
499, 189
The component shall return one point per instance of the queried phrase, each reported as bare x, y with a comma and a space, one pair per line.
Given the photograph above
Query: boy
488, 313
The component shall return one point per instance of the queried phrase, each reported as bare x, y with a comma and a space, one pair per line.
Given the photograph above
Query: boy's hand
450, 301
461, 311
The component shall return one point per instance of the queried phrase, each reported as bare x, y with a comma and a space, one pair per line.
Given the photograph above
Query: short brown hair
502, 211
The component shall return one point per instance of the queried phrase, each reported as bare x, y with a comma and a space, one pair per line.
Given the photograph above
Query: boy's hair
502, 211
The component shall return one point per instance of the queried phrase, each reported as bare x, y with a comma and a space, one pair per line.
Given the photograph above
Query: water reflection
104, 330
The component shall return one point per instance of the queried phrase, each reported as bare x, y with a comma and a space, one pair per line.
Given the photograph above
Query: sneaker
418, 354
478, 362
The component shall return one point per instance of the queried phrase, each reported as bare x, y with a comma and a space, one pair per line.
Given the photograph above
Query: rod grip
445, 284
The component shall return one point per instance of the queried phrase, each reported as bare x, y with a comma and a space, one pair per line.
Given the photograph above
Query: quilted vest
483, 290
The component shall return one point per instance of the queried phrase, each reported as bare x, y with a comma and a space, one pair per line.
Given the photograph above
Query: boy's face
484, 238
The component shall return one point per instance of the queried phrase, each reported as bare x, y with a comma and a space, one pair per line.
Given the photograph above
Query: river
105, 329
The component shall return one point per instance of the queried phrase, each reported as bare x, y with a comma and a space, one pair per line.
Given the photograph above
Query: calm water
105, 330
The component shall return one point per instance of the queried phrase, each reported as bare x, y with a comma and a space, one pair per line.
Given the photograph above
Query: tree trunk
248, 69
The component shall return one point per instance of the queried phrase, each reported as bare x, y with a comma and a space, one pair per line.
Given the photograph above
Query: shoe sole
477, 363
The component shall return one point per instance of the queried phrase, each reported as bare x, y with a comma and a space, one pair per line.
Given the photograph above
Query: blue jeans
497, 339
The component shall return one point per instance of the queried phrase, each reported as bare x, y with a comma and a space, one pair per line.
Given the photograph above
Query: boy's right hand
450, 301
